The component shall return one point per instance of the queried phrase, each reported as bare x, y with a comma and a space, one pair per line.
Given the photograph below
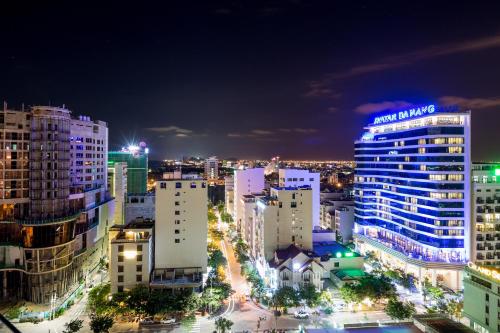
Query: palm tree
223, 325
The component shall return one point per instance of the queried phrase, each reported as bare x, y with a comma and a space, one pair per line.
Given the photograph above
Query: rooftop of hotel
138, 223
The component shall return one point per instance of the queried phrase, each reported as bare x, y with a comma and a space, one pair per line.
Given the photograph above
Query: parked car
146, 321
301, 314
168, 321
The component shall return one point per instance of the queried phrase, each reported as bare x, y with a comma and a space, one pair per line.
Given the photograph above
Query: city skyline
293, 79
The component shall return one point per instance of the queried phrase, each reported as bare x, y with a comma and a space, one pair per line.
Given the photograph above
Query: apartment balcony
176, 278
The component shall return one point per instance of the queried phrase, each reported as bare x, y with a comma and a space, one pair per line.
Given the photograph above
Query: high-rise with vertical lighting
412, 192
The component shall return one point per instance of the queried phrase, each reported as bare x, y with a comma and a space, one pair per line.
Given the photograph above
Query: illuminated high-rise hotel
412, 192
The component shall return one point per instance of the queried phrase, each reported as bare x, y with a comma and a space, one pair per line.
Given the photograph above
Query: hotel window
456, 141
423, 167
138, 268
177, 222
120, 258
178, 185
421, 150
138, 278
177, 212
176, 231
177, 240
459, 177
139, 248
120, 289
421, 141
120, 248
177, 203
139, 257
455, 150
120, 278
407, 158
120, 269
163, 185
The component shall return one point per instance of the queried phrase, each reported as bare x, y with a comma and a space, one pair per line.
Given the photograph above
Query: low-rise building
131, 255
295, 267
482, 298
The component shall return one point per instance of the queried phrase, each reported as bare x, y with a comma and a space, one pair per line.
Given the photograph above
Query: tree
216, 235
73, 326
454, 309
216, 259
138, 298
310, 295
100, 323
223, 325
285, 297
350, 293
98, 298
399, 310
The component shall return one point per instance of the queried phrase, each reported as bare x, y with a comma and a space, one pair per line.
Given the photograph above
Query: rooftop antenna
22, 107
5, 105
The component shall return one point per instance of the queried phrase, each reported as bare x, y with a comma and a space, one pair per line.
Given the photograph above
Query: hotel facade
413, 192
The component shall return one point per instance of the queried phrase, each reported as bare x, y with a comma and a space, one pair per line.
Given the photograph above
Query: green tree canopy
399, 310
100, 323
310, 295
285, 297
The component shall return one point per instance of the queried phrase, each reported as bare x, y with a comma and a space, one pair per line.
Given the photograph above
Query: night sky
253, 79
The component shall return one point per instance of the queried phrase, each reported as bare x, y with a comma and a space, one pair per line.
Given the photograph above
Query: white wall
191, 249
298, 177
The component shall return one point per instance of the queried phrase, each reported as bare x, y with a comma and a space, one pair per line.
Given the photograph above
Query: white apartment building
246, 181
485, 231
212, 169
298, 177
327, 209
131, 255
229, 194
117, 188
344, 223
281, 219
181, 227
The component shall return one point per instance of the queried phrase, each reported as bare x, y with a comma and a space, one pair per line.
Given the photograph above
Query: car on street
301, 314
168, 321
146, 321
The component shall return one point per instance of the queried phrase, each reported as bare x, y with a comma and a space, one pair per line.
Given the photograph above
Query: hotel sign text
406, 114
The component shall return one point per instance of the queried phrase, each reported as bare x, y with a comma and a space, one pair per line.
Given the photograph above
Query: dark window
178, 185
176, 231
120, 269
120, 278
177, 240
138, 278
139, 257
138, 268
163, 185
120, 289
139, 247
177, 212
336, 264
120, 258
120, 248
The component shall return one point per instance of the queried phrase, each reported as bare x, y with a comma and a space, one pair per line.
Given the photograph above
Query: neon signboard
485, 271
405, 114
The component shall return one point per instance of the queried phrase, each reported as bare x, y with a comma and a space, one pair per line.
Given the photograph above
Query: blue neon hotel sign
406, 114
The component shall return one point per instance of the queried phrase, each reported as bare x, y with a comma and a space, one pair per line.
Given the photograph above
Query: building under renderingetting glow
412, 192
